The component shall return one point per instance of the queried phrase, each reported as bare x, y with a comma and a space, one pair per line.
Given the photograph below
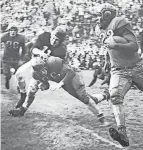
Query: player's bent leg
22, 89
21, 83
20, 76
33, 88
86, 99
79, 86
70, 89
100, 96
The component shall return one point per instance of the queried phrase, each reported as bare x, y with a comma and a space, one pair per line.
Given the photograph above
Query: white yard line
100, 138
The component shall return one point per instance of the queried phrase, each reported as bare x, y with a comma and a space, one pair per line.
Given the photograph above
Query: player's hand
56, 86
43, 55
110, 42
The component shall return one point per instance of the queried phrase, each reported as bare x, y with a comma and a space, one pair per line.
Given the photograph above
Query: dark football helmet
60, 32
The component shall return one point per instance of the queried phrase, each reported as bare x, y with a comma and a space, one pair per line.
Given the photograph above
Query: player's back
56, 68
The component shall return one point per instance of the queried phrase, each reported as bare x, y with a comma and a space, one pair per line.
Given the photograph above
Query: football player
45, 43
11, 56
70, 79
101, 73
126, 65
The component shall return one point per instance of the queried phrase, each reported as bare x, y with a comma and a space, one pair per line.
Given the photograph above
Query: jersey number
106, 35
13, 45
44, 71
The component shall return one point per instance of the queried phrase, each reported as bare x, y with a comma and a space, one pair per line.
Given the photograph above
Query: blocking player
70, 79
126, 65
45, 42
11, 56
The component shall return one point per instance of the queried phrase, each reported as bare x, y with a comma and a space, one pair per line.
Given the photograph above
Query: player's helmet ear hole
107, 14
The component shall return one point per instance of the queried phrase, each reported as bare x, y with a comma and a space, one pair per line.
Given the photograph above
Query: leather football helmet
107, 13
60, 32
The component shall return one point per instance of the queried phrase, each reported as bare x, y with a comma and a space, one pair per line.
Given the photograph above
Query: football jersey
54, 69
44, 41
12, 46
120, 26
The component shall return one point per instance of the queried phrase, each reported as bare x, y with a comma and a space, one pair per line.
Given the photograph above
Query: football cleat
17, 112
119, 135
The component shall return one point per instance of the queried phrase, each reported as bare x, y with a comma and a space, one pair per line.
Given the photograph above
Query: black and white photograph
71, 74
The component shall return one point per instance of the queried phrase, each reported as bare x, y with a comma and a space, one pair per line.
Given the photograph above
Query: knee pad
115, 97
82, 94
116, 100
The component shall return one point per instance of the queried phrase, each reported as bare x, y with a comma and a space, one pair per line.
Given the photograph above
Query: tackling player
70, 79
45, 43
11, 56
126, 65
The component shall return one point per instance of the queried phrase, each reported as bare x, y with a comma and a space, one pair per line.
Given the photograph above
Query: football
119, 39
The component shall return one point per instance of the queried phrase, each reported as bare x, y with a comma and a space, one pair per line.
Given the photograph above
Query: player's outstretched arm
32, 90
107, 79
94, 78
93, 81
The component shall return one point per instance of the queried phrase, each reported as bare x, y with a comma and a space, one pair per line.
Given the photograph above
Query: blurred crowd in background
36, 16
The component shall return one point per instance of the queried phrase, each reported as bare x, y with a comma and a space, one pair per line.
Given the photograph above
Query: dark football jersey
12, 46
54, 70
44, 41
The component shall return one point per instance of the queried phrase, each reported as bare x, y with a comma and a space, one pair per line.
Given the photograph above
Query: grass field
57, 121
